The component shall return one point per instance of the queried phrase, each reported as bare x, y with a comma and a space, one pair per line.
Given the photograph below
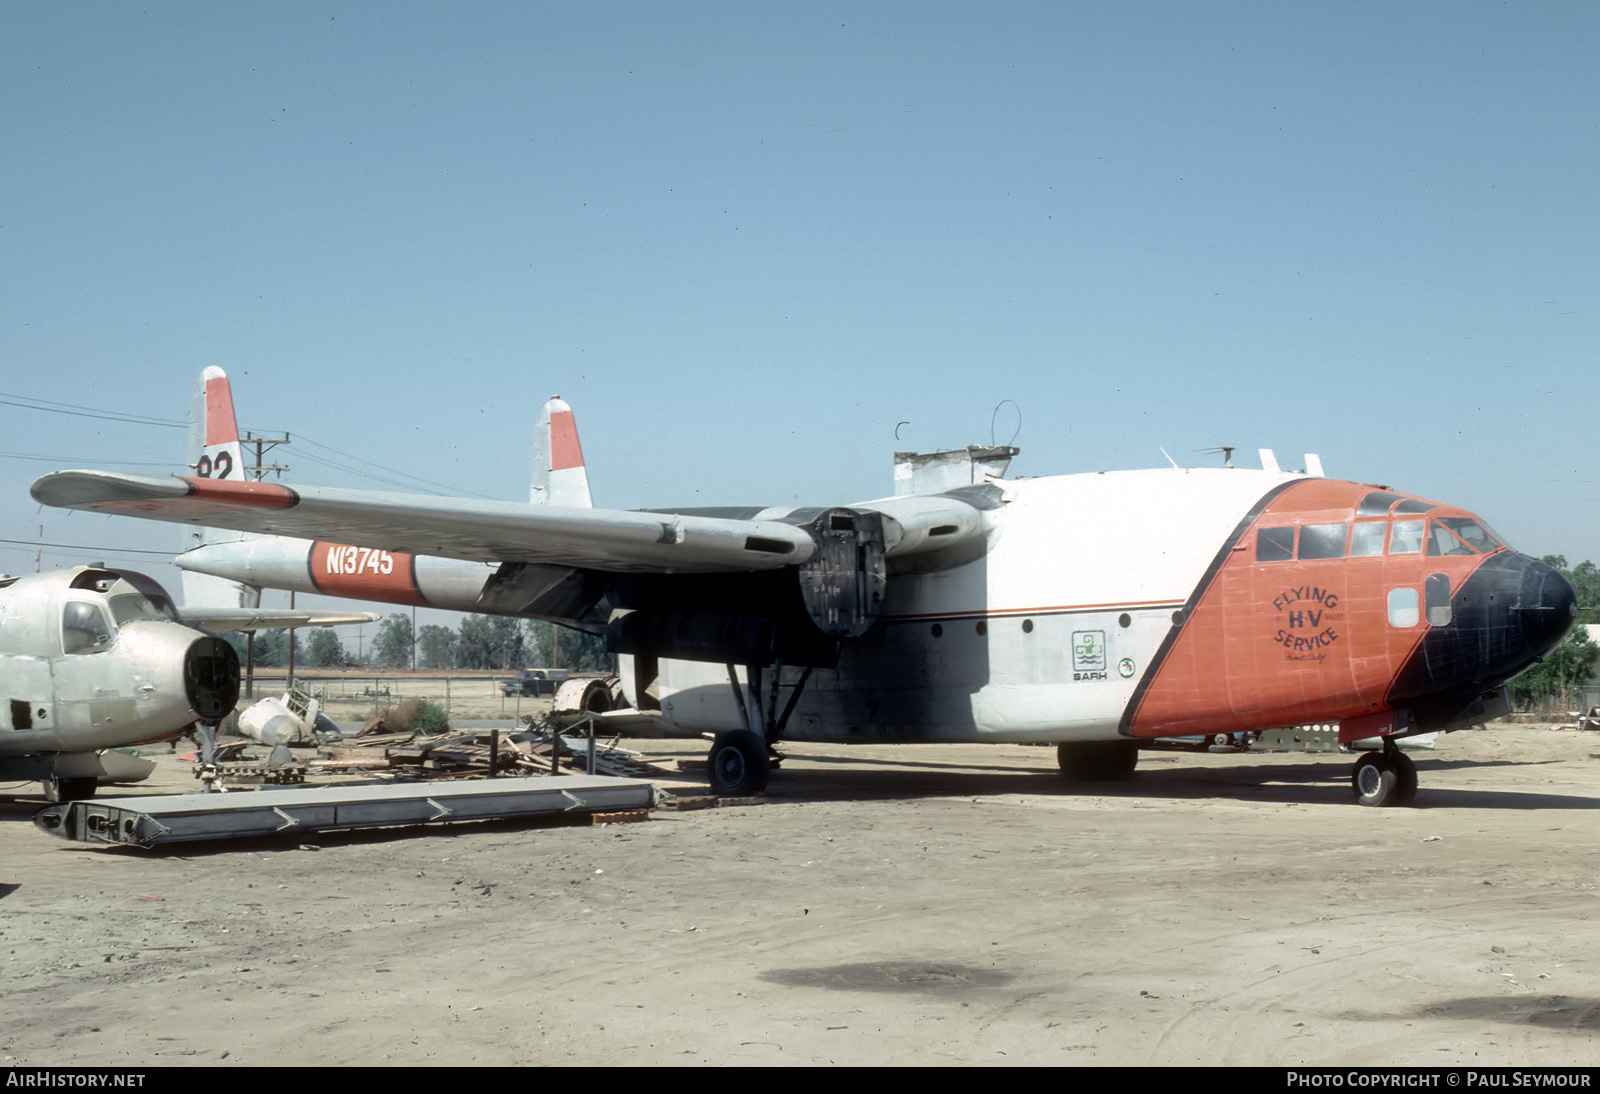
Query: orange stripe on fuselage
1270, 644
1046, 609
361, 573
221, 428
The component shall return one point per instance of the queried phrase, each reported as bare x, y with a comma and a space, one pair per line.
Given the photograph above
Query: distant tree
436, 646
272, 649
324, 650
475, 643
1568, 665
510, 642
1585, 578
392, 644
574, 649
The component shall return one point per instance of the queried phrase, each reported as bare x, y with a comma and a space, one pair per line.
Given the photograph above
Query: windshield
130, 606
1475, 534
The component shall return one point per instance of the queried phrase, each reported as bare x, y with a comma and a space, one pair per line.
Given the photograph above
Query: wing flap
263, 619
482, 531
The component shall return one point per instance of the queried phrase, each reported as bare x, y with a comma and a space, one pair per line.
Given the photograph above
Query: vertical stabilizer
559, 477
214, 453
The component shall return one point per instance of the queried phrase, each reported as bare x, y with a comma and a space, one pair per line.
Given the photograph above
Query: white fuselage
1042, 639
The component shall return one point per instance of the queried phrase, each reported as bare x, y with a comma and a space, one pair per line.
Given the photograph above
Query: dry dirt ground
888, 904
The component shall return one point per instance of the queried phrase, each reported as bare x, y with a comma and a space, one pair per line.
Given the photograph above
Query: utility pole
255, 473
262, 445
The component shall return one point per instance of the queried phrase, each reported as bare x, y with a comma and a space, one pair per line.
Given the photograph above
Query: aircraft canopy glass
126, 607
85, 628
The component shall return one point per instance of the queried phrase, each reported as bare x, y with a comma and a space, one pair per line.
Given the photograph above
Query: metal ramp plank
174, 818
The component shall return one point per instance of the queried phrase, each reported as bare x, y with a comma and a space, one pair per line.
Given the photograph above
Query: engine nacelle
843, 583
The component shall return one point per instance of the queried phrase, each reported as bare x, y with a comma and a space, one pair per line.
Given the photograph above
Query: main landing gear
1384, 778
69, 790
1097, 761
740, 764
741, 760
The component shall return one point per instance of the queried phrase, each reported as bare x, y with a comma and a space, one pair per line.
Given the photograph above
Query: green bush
417, 715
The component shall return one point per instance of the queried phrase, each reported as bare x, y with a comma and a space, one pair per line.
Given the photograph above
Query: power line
76, 411
92, 550
27, 402
97, 462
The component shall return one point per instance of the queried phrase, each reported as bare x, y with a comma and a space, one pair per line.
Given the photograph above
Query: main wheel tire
739, 764
1406, 771
1375, 780
1097, 761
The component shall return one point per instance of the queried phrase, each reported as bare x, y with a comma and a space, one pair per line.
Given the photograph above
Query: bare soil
888, 904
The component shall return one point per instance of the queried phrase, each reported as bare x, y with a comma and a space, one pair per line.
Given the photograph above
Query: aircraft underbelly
1049, 676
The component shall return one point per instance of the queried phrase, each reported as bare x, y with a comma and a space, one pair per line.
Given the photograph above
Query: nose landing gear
1384, 778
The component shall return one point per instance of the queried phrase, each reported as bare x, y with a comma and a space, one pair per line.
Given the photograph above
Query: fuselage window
1274, 544
1403, 607
1376, 504
1442, 542
1366, 539
1323, 540
1406, 539
84, 628
1436, 593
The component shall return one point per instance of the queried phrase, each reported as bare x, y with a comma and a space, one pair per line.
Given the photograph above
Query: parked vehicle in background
535, 682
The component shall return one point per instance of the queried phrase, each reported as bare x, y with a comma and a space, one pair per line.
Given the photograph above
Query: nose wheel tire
1384, 779
739, 764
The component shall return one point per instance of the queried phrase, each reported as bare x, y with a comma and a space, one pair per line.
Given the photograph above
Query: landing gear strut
1384, 778
69, 790
742, 759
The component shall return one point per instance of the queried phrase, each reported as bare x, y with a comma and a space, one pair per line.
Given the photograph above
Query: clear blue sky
746, 240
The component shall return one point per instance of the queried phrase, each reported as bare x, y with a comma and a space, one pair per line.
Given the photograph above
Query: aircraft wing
266, 619
483, 531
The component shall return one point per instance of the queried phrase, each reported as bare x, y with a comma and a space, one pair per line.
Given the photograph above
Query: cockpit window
1477, 535
1442, 542
1376, 504
84, 628
1323, 540
1274, 544
129, 606
1406, 539
1413, 505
